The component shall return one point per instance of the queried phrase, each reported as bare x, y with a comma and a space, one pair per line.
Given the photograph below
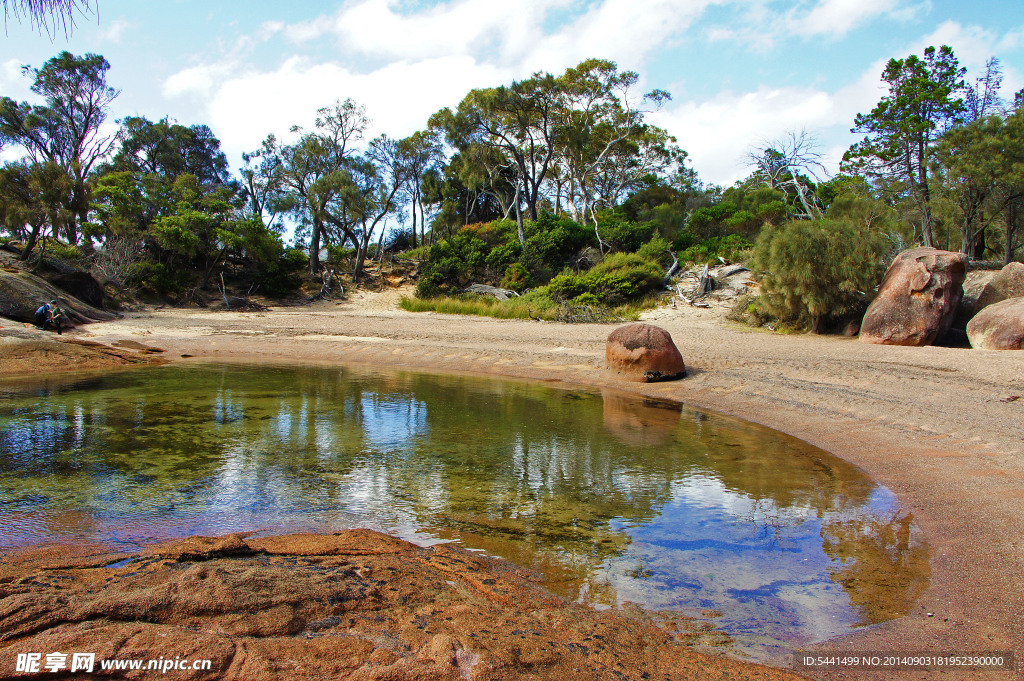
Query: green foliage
158, 278
815, 271
619, 278
516, 278
621, 234
553, 241
283, 276
729, 247
454, 264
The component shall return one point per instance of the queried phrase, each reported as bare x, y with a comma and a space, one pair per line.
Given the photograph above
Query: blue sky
740, 71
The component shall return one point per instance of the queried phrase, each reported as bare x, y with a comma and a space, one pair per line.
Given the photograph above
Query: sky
740, 72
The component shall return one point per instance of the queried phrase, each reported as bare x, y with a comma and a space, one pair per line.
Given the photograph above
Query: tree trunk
314, 246
519, 220
1011, 230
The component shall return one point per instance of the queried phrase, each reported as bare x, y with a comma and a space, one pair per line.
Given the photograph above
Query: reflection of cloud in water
392, 420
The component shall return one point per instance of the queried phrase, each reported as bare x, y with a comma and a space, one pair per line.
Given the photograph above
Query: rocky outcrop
353, 605
917, 298
643, 352
1000, 326
22, 293
1007, 283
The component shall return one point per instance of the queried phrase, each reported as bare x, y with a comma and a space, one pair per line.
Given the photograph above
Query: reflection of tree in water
882, 564
518, 469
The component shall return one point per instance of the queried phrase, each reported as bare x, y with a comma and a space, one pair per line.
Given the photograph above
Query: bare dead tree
780, 163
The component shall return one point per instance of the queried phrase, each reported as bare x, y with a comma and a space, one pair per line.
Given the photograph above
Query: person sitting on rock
49, 315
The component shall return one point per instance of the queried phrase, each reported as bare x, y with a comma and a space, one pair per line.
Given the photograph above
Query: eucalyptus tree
376, 179
46, 13
417, 153
263, 181
603, 146
520, 122
316, 172
902, 130
32, 199
66, 129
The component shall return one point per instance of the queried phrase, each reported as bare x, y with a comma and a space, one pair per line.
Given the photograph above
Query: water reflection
611, 497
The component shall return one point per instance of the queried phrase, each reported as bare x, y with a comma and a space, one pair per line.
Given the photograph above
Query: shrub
623, 235
619, 278
285, 275
454, 263
813, 272
710, 250
160, 279
516, 278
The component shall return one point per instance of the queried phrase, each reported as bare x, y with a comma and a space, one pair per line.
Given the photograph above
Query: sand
941, 427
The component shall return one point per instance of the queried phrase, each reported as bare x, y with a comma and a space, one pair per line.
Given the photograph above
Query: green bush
454, 264
815, 272
623, 235
710, 250
285, 275
160, 279
516, 278
619, 278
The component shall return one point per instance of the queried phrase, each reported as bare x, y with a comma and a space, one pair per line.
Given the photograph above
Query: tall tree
901, 131
518, 120
316, 172
66, 128
603, 146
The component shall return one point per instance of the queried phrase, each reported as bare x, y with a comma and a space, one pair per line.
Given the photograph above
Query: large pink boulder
1000, 326
643, 352
1007, 283
917, 298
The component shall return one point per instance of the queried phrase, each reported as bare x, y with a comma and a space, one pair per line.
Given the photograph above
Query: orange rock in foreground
352, 605
643, 352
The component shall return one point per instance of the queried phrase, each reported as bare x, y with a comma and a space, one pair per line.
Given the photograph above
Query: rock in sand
917, 298
643, 352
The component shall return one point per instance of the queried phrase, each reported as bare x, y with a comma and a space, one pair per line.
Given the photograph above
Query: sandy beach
943, 428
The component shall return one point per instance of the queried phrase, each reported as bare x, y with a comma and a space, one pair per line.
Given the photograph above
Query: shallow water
613, 498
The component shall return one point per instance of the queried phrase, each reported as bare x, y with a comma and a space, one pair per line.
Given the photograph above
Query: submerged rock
352, 605
917, 298
1000, 326
643, 352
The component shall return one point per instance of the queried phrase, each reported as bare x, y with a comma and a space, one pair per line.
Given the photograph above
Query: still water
612, 498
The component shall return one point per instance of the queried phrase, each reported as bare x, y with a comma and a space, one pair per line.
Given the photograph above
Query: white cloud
113, 32
399, 97
720, 131
838, 17
431, 59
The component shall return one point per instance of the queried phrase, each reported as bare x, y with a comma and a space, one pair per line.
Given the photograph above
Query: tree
816, 270
903, 128
263, 181
315, 171
603, 146
65, 129
519, 121
785, 164
417, 153
32, 196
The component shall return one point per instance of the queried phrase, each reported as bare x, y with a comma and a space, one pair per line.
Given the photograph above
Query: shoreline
937, 426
